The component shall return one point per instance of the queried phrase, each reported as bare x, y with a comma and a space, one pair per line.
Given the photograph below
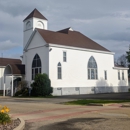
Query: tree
128, 60
122, 61
128, 57
41, 85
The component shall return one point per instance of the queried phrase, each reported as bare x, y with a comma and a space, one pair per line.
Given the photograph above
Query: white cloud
6, 45
119, 47
106, 21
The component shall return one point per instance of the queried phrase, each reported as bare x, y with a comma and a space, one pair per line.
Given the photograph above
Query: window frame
119, 77
59, 73
64, 56
36, 66
123, 78
105, 74
92, 69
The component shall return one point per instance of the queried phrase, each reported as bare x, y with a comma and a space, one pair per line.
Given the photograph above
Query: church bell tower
34, 20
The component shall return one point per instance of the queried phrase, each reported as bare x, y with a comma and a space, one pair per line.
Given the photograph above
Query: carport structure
13, 71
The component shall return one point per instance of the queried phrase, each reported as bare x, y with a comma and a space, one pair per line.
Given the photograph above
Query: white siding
1, 77
34, 24
41, 50
74, 71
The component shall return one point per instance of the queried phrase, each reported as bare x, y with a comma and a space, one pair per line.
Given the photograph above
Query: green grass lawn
86, 102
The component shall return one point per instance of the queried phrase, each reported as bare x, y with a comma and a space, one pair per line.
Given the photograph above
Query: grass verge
86, 102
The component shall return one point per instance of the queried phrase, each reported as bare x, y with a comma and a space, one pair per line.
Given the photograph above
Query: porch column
4, 86
12, 86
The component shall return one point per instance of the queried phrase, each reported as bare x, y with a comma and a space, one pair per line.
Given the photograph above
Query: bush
4, 116
18, 93
25, 93
41, 85
23, 84
23, 90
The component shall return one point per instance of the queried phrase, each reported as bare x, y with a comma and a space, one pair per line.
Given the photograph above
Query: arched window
59, 71
28, 25
92, 69
40, 25
36, 66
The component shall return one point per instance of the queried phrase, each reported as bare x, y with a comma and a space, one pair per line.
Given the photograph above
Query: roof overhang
81, 49
120, 68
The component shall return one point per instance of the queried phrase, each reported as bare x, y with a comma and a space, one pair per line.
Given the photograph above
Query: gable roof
6, 61
70, 38
35, 13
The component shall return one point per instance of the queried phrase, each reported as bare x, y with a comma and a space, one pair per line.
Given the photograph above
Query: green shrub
23, 84
18, 93
25, 93
41, 85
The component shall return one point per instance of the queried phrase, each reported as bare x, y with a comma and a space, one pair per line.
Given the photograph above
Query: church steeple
35, 13
34, 20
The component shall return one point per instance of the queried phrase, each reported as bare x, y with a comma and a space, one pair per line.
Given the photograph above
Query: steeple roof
35, 13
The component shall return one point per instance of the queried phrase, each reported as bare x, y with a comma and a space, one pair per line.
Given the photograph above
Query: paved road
48, 114
111, 96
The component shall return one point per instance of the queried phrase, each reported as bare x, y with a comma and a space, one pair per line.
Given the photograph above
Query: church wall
29, 28
37, 46
27, 31
1, 77
74, 71
26, 37
40, 23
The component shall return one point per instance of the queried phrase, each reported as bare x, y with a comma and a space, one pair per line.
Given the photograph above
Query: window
92, 69
28, 25
118, 75
105, 74
122, 75
64, 56
40, 25
36, 66
59, 71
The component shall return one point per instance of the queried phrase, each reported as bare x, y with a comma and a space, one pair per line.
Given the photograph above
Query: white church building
74, 63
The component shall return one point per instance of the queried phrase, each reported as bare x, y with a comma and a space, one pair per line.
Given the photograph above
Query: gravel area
11, 125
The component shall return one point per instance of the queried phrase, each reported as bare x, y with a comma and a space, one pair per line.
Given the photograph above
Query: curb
125, 105
21, 126
99, 104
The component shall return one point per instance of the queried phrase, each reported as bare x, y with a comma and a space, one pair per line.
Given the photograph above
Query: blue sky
106, 22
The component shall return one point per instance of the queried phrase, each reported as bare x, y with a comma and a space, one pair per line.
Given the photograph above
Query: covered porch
11, 72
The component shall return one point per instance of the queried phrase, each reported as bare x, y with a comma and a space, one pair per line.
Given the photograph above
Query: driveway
49, 113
